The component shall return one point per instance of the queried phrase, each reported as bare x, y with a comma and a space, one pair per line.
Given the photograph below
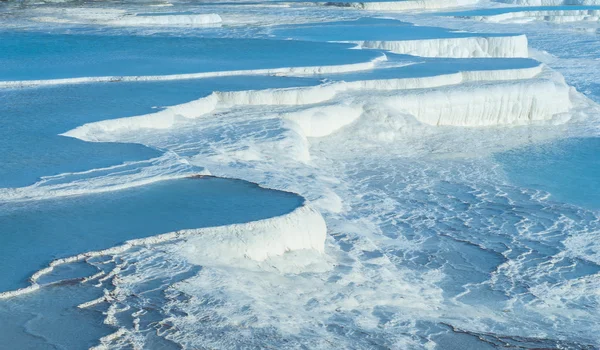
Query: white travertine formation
303, 228
461, 47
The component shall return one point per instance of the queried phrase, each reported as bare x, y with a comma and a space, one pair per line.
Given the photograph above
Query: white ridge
463, 47
106, 130
303, 228
291, 71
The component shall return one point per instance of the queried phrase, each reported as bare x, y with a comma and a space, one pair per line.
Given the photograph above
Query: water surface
35, 232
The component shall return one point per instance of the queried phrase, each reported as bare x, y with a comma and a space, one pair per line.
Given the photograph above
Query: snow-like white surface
321, 121
420, 224
426, 105
357, 282
302, 229
404, 5
463, 47
463, 104
486, 104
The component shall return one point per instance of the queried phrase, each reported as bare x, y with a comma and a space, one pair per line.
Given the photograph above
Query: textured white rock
303, 228
465, 47
470, 98
486, 104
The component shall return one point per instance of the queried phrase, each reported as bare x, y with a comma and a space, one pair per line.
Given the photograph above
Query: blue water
33, 55
51, 320
34, 233
502, 10
479, 250
427, 67
368, 29
35, 117
567, 169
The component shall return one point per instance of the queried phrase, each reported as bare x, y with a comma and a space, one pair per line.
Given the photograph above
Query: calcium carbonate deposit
410, 174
